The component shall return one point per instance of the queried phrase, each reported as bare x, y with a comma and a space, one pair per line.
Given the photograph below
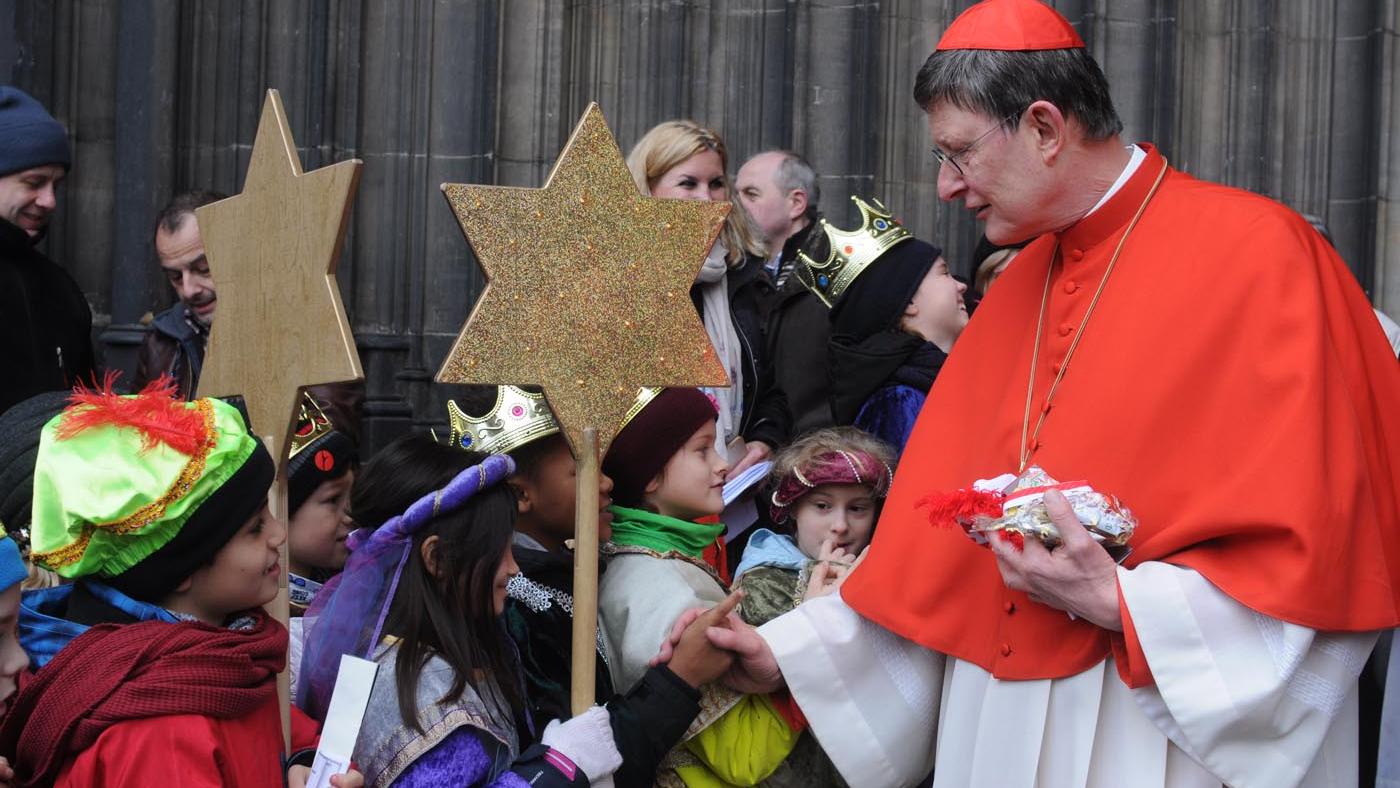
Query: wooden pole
585, 659
280, 607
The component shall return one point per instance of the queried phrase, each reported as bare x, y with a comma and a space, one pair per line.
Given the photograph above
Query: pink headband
833, 467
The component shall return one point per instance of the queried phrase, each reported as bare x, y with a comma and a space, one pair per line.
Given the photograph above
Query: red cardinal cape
1232, 387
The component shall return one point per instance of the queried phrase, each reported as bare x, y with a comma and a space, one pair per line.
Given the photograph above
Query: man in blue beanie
45, 322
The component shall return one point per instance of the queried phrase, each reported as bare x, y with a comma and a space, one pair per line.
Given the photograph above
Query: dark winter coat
648, 720
174, 345
879, 384
765, 405
46, 343
798, 329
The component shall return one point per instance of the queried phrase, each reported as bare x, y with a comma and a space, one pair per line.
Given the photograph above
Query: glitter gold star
588, 286
273, 251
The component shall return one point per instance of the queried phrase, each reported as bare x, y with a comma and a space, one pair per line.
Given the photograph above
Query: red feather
1016, 539
154, 412
960, 507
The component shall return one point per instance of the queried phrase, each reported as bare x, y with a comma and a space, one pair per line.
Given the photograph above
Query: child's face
317, 532
691, 485
13, 660
504, 571
548, 496
937, 312
244, 573
843, 513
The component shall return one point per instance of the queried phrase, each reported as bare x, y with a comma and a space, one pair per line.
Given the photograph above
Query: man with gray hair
1195, 351
779, 190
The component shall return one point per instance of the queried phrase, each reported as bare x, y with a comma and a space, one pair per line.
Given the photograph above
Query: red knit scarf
117, 672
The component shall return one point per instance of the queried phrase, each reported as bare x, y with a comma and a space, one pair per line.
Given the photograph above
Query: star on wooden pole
280, 325
273, 251
588, 296
588, 286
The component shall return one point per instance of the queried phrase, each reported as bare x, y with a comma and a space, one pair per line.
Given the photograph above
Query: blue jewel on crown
849, 251
466, 441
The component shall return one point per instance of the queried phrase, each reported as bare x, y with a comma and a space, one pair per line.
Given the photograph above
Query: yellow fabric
741, 748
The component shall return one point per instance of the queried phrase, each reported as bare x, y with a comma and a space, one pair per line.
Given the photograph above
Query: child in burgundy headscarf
830, 483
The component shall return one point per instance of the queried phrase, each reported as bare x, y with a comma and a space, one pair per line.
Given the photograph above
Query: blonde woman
681, 159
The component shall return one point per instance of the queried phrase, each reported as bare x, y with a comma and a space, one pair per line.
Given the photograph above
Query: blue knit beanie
12, 568
29, 135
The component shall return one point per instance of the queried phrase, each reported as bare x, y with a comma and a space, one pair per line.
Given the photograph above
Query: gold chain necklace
1028, 438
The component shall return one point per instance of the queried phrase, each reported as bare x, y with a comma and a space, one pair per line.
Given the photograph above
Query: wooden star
273, 250
588, 286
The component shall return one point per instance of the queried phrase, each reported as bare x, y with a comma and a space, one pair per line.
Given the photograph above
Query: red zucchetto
1012, 25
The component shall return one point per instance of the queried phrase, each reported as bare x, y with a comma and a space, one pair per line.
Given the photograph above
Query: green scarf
640, 528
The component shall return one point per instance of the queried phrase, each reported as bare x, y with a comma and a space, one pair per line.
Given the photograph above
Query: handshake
706, 645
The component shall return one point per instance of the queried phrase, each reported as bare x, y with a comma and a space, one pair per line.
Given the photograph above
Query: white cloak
1239, 698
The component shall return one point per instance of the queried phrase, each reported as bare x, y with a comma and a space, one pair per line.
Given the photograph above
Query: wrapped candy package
1016, 505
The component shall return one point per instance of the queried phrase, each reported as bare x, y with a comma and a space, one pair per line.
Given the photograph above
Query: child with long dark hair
650, 716
422, 595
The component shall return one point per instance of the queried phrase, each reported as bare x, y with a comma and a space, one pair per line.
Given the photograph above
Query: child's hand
833, 566
668, 646
694, 659
826, 577
298, 775
7, 775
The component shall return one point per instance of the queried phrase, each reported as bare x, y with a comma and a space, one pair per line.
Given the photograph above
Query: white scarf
719, 324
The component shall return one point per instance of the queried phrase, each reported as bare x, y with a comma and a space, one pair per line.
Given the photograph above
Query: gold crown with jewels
312, 423
852, 251
517, 418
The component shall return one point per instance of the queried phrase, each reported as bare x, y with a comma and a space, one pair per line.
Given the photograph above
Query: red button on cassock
1077, 254
1071, 286
1010, 607
1066, 329
1006, 649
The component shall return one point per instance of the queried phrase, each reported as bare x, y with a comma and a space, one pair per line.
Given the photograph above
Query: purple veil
348, 614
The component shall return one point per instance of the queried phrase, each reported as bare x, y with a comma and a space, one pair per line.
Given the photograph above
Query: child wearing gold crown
895, 312
666, 477
320, 472
652, 715
157, 510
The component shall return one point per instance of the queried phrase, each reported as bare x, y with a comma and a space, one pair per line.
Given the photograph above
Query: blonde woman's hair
672, 142
987, 270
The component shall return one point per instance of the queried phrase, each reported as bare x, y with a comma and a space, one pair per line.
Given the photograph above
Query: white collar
1138, 157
